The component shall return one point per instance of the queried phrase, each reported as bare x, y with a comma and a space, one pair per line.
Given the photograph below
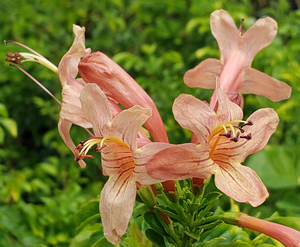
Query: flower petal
265, 122
71, 107
256, 82
116, 205
264, 125
195, 115
180, 162
116, 83
64, 131
225, 32
127, 123
240, 183
257, 37
141, 157
96, 109
68, 65
227, 110
116, 159
204, 74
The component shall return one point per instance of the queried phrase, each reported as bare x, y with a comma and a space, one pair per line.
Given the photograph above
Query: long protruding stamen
38, 83
24, 46
21, 57
84, 147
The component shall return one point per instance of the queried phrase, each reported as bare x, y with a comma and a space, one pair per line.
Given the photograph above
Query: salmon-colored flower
237, 52
119, 85
223, 146
71, 111
124, 154
289, 237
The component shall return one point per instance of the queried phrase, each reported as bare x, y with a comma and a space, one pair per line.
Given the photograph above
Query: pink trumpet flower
116, 83
71, 111
123, 153
223, 146
237, 52
289, 237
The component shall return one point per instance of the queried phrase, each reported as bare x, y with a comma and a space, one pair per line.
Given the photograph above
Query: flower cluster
222, 139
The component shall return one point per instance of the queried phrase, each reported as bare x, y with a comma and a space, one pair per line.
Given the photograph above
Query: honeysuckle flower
237, 52
119, 85
223, 145
289, 237
123, 156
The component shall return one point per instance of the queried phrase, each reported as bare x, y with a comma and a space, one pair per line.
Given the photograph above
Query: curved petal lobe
116, 205
240, 183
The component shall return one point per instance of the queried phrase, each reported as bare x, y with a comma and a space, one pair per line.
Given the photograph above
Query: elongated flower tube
116, 83
237, 52
289, 237
223, 146
123, 155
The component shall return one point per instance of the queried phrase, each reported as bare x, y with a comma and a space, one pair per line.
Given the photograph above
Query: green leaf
154, 223
87, 213
167, 211
211, 243
275, 165
155, 238
192, 235
2, 135
3, 111
102, 242
292, 222
10, 125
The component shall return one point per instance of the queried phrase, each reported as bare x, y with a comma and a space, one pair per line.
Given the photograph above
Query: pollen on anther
247, 137
236, 138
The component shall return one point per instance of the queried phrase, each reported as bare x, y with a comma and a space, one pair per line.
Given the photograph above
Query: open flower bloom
123, 155
237, 52
119, 85
223, 146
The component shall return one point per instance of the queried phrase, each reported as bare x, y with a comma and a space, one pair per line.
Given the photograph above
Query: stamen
236, 138
228, 134
20, 58
83, 147
250, 123
240, 128
38, 83
248, 137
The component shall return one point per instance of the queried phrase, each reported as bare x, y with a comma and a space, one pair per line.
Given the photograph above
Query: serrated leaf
154, 223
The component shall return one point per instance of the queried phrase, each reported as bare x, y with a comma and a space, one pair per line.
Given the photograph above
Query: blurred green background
156, 42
